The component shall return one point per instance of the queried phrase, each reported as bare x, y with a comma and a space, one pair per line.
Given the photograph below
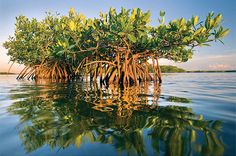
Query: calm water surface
190, 114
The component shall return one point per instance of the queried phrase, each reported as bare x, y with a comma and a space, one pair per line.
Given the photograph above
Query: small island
7, 73
175, 69
167, 69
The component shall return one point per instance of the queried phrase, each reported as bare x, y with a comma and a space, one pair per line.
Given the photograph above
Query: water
190, 114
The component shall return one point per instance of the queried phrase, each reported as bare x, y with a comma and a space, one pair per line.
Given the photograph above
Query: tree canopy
114, 46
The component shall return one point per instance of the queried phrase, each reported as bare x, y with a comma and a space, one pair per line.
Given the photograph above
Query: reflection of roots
124, 102
103, 108
124, 111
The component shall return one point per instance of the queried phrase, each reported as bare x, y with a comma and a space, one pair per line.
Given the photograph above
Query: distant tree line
167, 69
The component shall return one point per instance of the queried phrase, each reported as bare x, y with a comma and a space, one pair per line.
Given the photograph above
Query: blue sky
217, 56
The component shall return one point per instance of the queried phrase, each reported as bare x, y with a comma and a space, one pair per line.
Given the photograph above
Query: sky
215, 57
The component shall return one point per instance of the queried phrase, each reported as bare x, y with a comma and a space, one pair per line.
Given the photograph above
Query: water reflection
62, 115
178, 99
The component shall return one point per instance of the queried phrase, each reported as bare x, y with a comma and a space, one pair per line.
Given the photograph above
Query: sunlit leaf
72, 25
131, 38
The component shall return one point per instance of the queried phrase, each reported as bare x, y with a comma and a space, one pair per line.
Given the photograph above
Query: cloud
206, 62
219, 66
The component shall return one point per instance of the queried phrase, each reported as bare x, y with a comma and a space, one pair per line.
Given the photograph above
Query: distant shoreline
219, 71
194, 71
205, 71
6, 73
210, 71
175, 69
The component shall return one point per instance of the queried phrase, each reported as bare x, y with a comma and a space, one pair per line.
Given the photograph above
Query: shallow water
189, 114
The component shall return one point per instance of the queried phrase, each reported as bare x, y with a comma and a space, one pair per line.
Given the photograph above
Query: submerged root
128, 73
123, 69
53, 71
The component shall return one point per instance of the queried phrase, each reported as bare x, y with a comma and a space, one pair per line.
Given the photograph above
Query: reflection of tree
178, 99
58, 115
181, 130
